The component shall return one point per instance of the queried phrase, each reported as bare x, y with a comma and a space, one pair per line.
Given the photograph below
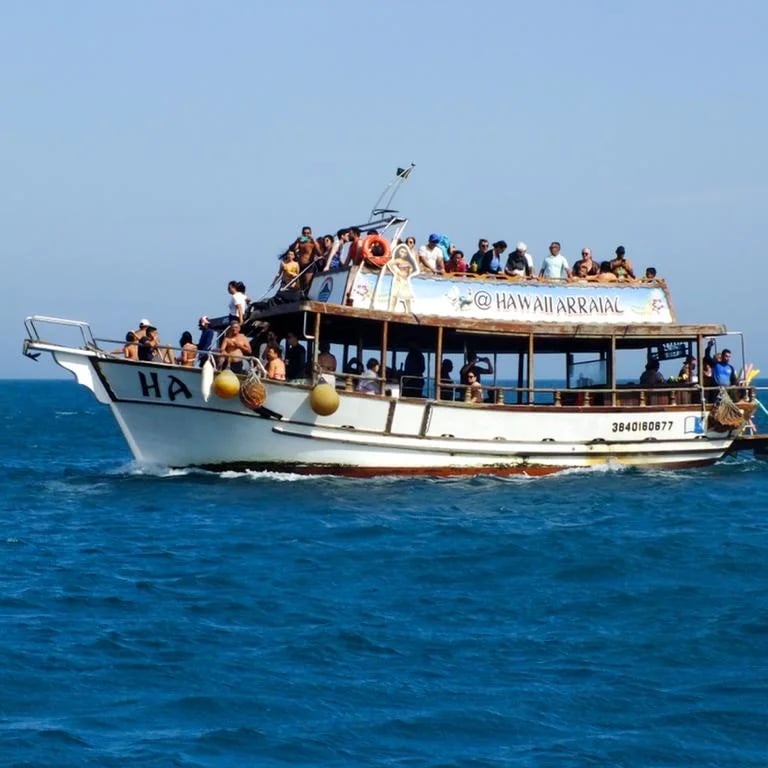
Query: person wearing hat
520, 262
206, 341
431, 255
621, 266
141, 331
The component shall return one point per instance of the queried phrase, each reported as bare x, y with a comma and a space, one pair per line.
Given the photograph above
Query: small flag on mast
404, 173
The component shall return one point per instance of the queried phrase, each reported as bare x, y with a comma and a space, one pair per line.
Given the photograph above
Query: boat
558, 398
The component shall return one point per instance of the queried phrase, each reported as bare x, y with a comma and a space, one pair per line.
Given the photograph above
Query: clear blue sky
152, 151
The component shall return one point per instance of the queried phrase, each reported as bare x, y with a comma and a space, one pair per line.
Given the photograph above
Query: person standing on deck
307, 253
492, 260
621, 266
206, 340
431, 255
237, 302
555, 265
336, 259
295, 357
475, 364
476, 262
723, 373
592, 267
519, 262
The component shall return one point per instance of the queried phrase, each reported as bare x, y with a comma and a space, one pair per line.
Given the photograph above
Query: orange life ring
382, 253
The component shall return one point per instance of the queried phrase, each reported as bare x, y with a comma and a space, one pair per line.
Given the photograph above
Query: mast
391, 189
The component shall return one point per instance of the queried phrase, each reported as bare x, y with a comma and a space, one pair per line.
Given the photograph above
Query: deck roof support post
438, 361
531, 395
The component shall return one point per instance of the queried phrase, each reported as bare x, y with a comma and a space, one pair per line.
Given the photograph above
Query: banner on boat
511, 301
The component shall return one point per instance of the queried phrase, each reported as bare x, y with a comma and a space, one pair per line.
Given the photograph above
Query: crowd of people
286, 359
308, 255
717, 371
227, 348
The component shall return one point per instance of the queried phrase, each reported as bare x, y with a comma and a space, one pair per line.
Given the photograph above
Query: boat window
586, 370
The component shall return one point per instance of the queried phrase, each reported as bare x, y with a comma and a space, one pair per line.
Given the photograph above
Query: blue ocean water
167, 618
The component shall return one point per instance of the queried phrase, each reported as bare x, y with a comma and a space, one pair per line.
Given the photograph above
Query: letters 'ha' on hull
418, 421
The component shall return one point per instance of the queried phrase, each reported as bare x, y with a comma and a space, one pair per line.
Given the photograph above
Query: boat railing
622, 396
423, 388
59, 330
172, 355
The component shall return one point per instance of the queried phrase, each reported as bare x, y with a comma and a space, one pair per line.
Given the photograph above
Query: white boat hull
166, 420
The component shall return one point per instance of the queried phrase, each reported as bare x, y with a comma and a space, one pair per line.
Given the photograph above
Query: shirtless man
141, 331
275, 366
326, 360
621, 266
233, 347
307, 251
593, 268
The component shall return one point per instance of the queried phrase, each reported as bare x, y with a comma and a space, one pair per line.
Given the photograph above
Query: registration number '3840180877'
642, 426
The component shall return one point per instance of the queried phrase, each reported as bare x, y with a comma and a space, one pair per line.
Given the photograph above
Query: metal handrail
31, 325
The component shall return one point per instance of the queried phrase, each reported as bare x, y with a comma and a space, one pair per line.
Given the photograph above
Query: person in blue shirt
206, 341
723, 373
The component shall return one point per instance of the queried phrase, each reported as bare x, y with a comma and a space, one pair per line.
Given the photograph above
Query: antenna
391, 189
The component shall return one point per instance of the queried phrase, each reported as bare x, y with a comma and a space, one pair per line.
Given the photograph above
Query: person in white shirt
431, 255
237, 301
369, 382
555, 266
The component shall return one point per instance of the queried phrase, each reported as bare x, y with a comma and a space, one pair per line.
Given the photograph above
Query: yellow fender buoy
324, 399
226, 384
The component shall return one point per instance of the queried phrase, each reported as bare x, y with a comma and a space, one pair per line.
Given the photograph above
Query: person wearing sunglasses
593, 268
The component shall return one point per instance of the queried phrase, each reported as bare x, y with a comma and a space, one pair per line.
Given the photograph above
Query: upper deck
384, 282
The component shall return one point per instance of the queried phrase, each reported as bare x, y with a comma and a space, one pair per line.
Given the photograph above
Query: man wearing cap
520, 262
207, 338
431, 255
621, 266
141, 332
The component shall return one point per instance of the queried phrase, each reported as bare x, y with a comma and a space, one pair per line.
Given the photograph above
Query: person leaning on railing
188, 350
206, 341
475, 388
369, 381
234, 346
651, 376
129, 350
